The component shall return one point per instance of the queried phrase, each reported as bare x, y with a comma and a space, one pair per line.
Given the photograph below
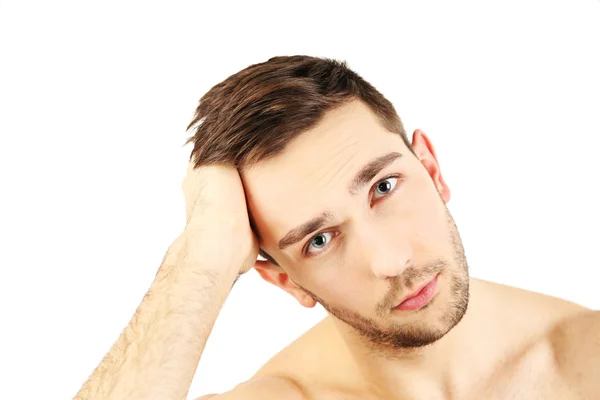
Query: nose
387, 253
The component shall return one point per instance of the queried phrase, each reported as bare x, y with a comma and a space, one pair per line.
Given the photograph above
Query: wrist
218, 248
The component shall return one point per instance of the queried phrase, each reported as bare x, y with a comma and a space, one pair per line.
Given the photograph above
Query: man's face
384, 234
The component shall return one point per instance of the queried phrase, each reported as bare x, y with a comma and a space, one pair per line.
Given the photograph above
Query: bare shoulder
576, 346
527, 312
264, 388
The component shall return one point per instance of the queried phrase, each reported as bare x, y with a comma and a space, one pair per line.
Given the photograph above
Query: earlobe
308, 301
444, 190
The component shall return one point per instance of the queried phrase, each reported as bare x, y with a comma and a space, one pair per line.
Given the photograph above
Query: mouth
420, 297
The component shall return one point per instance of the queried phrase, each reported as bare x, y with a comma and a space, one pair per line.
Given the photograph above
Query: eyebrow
362, 178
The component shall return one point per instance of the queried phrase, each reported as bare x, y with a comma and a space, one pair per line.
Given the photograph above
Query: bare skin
377, 248
381, 240
158, 352
512, 355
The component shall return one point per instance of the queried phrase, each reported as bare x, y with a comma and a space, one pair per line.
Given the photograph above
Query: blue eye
320, 241
386, 186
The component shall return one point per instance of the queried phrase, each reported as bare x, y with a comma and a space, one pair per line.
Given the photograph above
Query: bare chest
527, 387
531, 376
528, 380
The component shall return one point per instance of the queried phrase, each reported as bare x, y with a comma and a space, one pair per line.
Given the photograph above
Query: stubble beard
405, 337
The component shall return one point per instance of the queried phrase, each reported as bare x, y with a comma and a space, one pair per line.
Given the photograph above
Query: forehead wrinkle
336, 173
333, 168
332, 149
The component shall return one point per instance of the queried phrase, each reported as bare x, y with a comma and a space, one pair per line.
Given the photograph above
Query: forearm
157, 354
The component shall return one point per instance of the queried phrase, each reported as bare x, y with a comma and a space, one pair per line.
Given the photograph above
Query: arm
156, 355
576, 344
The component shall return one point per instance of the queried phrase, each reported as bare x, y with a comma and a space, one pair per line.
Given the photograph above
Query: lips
420, 296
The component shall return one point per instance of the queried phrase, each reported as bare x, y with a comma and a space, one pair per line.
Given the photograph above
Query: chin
432, 321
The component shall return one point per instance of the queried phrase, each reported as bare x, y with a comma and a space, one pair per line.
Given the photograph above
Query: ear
425, 152
278, 277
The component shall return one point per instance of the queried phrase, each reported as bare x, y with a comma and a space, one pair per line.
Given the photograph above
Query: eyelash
305, 252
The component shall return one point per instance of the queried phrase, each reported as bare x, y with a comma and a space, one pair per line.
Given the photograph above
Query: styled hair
253, 114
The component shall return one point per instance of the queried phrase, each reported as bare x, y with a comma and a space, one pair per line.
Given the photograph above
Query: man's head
349, 213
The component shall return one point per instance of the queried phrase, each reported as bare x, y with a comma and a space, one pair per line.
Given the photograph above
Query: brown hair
253, 114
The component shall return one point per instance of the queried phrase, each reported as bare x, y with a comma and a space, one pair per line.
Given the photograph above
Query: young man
301, 160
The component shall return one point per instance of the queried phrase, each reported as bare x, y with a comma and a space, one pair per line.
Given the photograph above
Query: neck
440, 370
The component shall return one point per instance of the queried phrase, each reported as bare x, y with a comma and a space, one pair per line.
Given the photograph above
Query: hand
215, 203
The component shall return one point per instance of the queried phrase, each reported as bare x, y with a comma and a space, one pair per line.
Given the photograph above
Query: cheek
429, 221
344, 292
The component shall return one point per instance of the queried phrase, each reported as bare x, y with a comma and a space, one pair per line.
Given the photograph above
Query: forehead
313, 172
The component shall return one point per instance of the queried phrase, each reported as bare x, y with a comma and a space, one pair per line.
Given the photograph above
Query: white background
95, 97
